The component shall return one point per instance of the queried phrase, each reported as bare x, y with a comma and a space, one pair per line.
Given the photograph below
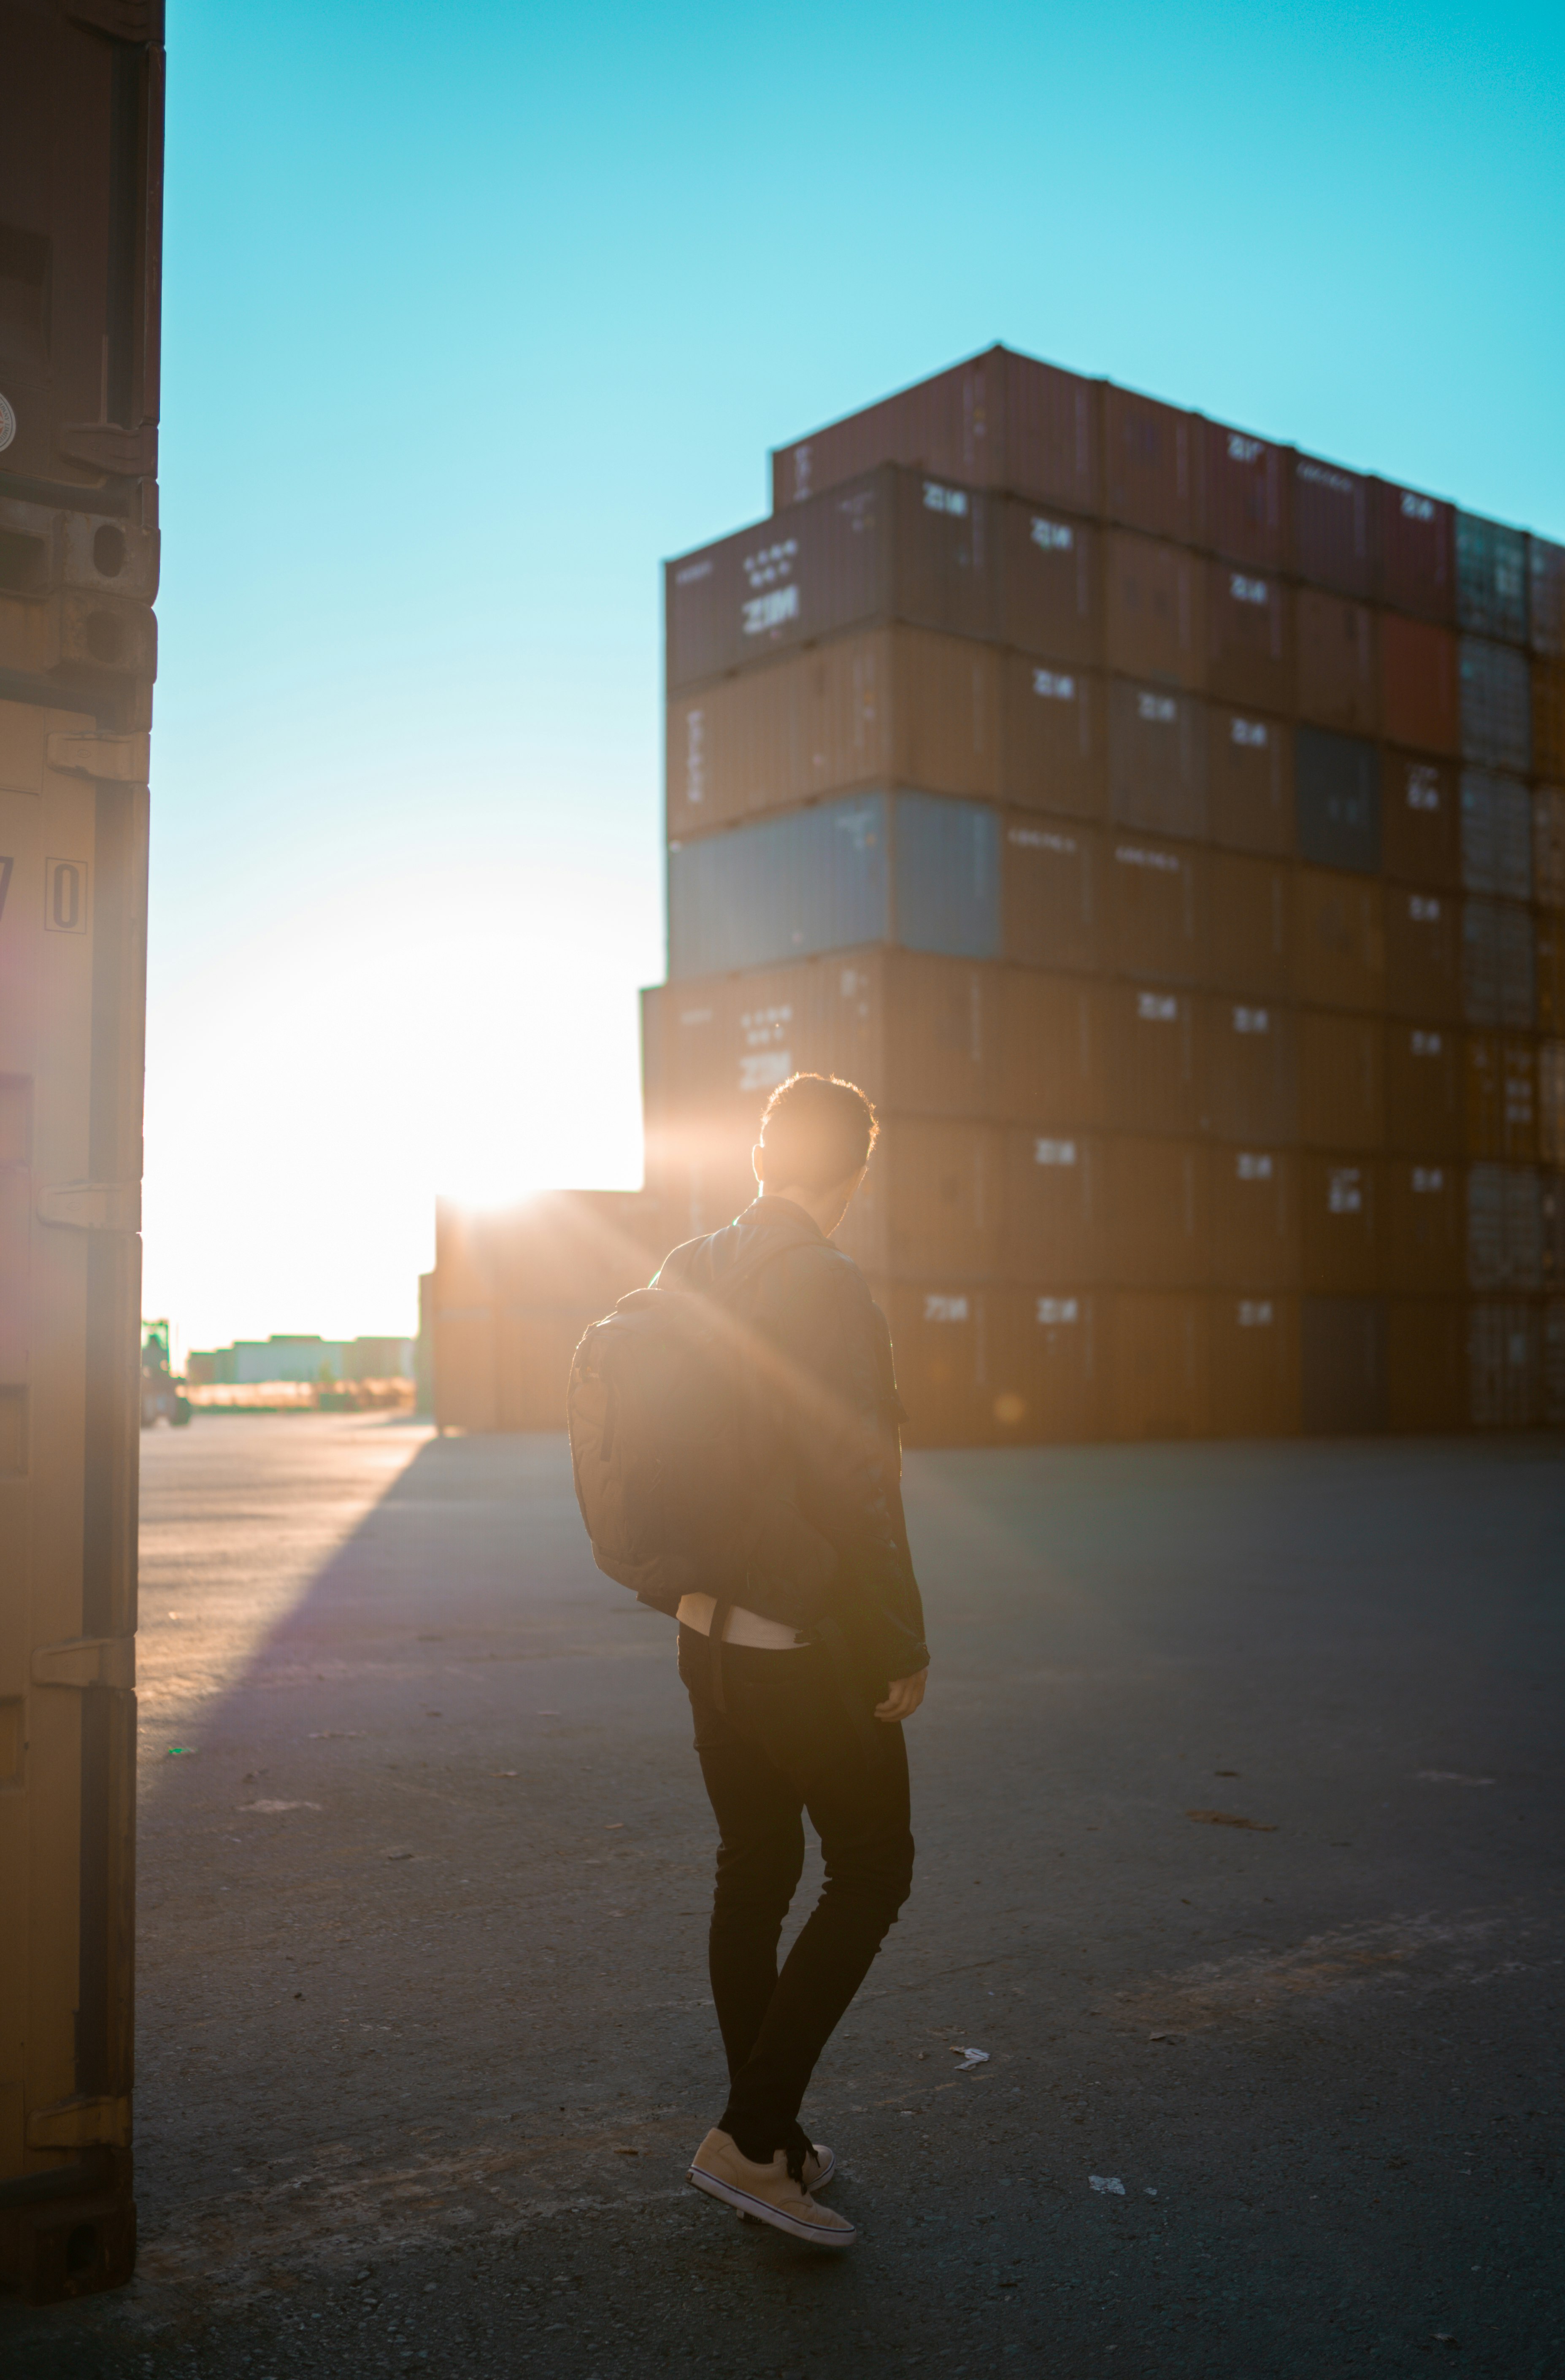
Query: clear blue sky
474, 313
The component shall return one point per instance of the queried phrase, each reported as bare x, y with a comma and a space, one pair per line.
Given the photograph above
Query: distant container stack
1167, 827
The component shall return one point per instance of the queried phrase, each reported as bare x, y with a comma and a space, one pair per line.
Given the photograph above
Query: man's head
815, 1136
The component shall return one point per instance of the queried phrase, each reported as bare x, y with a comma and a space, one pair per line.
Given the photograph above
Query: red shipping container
998, 420
1418, 685
1049, 570
1152, 457
1155, 611
1246, 482
1333, 526
1255, 1211
1255, 1382
1249, 638
1338, 680
1417, 552
1420, 821
1250, 781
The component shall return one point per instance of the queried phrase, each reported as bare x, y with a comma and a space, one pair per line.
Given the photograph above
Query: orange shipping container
1420, 821
1156, 759
1052, 1200
1255, 1219
1339, 940
1155, 611
1154, 910
1254, 1366
1249, 638
1548, 846
1049, 570
917, 1032
1051, 1043
1424, 1226
893, 706
1427, 1365
1549, 965
1248, 1071
1054, 738
1249, 782
1418, 685
939, 1335
1249, 916
1050, 877
1551, 1103
932, 1201
1046, 1363
1151, 463
1153, 1202
1148, 1044
1502, 1098
1342, 1364
1342, 1081
1425, 1109
1159, 1354
1340, 1234
1422, 954
1338, 681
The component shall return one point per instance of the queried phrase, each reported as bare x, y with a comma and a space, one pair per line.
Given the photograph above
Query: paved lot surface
425, 2036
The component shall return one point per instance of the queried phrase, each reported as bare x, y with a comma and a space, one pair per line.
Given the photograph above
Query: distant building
300, 1355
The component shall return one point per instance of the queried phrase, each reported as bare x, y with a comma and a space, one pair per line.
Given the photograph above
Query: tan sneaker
769, 2193
820, 2165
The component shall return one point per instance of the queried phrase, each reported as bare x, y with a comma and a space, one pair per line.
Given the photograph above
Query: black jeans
787, 1743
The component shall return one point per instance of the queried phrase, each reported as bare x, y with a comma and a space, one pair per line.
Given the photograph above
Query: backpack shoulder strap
752, 1264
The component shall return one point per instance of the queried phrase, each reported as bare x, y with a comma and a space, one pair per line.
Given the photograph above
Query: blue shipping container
1496, 705
947, 877
815, 879
1491, 578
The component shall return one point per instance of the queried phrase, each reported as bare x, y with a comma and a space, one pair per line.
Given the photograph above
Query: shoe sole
763, 2210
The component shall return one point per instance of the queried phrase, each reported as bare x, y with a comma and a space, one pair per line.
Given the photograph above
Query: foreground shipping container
81, 186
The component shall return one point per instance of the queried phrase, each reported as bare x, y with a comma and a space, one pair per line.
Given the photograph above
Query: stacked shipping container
1167, 827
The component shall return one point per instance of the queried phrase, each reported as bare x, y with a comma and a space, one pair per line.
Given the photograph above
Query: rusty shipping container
1054, 737
1152, 459
1341, 1229
1421, 820
1333, 525
933, 1202
1053, 1207
1250, 644
1545, 596
1418, 685
1159, 1352
1046, 1361
1153, 1202
1423, 955
1246, 488
1148, 1044
1417, 559
1052, 1041
1342, 1365
80, 194
1156, 759
1052, 875
1425, 1093
1342, 1081
1551, 1103
1548, 846
1249, 926
1153, 910
1339, 940
999, 421
1427, 1364
1338, 673
1548, 971
1425, 1237
1248, 1071
1249, 780
1255, 1372
1255, 1218
1155, 612
1548, 720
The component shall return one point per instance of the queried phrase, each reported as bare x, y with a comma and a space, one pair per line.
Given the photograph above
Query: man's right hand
902, 1698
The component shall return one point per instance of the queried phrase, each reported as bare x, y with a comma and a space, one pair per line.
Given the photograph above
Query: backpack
667, 1427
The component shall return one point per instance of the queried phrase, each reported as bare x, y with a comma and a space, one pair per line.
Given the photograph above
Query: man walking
800, 1686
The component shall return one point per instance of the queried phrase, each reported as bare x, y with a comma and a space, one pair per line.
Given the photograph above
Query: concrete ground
1238, 1798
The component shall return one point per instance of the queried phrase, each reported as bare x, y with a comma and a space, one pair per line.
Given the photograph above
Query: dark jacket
831, 1552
